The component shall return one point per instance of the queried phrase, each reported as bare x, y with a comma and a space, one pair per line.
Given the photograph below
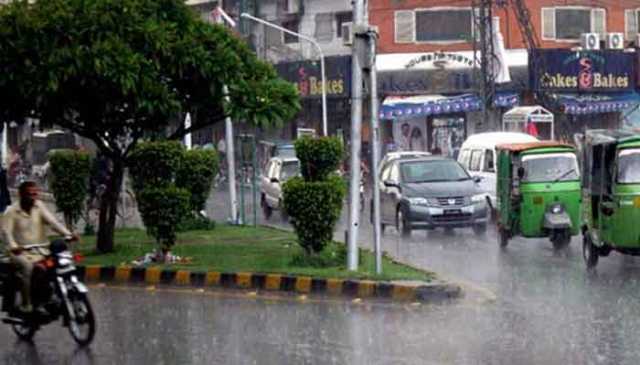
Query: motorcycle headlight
418, 201
557, 209
478, 198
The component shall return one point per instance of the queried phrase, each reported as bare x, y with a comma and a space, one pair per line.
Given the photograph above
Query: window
436, 25
341, 18
631, 22
465, 156
629, 166
550, 167
293, 26
488, 161
289, 170
476, 160
324, 27
568, 23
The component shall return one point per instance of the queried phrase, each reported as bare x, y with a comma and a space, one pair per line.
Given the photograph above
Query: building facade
428, 71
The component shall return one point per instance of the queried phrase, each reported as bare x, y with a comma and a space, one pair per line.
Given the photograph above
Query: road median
352, 288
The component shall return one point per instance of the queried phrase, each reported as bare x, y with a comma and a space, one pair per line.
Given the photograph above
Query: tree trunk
109, 207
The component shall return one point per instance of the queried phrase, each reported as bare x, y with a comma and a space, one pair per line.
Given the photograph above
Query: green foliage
333, 255
155, 164
319, 157
196, 174
115, 70
162, 209
314, 207
69, 182
196, 222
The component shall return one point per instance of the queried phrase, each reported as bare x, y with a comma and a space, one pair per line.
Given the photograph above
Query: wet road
524, 305
547, 308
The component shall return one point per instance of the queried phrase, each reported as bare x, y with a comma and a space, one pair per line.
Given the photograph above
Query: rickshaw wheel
589, 252
561, 239
503, 237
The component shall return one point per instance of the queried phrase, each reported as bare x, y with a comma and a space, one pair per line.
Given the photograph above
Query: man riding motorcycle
24, 224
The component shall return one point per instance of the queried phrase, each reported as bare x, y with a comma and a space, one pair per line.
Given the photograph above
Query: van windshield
629, 166
550, 167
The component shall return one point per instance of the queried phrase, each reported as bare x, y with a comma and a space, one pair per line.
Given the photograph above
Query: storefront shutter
599, 22
405, 26
548, 23
631, 24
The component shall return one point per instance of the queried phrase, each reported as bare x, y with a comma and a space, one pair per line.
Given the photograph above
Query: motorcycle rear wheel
84, 320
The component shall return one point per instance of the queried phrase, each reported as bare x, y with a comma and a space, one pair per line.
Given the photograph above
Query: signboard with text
583, 71
306, 75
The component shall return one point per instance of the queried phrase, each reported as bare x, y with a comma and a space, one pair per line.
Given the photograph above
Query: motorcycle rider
25, 223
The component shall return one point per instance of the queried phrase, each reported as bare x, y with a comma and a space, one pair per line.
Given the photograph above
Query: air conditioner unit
590, 41
347, 33
615, 41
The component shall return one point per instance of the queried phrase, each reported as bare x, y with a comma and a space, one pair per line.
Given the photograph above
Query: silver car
277, 171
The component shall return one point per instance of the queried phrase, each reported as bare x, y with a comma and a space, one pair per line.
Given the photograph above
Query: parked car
478, 155
430, 192
402, 154
276, 173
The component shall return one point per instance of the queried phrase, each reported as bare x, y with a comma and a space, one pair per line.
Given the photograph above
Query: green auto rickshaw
610, 193
538, 192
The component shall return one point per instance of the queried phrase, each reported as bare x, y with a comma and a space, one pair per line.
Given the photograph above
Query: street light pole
356, 129
375, 147
317, 46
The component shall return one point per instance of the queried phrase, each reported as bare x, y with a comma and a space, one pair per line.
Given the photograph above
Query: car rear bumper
421, 217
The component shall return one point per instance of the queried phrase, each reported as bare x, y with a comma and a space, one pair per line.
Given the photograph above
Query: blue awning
581, 104
417, 106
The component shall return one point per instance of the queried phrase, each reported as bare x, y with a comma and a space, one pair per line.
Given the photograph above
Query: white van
478, 156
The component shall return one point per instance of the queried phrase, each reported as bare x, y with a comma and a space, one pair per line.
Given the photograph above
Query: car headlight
418, 201
557, 209
479, 198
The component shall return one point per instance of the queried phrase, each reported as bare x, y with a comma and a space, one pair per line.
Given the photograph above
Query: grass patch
236, 249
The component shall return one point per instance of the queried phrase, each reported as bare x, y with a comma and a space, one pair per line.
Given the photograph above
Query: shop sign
571, 71
307, 76
441, 60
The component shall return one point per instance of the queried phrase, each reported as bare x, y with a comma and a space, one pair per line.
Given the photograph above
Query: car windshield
629, 166
432, 171
550, 167
289, 170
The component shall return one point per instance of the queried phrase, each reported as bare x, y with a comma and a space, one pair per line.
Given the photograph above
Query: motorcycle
57, 294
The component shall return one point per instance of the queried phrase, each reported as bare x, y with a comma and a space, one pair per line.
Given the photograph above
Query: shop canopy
580, 104
425, 105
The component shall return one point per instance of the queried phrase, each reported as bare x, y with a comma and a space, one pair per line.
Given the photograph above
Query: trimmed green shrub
196, 174
162, 209
319, 157
314, 208
69, 182
155, 164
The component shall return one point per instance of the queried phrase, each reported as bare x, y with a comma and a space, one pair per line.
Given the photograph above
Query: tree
115, 70
69, 182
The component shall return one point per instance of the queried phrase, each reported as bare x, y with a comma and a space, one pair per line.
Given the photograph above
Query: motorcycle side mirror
521, 172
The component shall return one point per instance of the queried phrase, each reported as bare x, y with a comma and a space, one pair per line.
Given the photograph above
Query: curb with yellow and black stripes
427, 292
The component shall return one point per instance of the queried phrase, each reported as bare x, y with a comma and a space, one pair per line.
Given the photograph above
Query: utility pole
375, 147
484, 54
359, 45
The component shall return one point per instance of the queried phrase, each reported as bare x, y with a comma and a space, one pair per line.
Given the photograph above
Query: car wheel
402, 225
266, 209
589, 251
